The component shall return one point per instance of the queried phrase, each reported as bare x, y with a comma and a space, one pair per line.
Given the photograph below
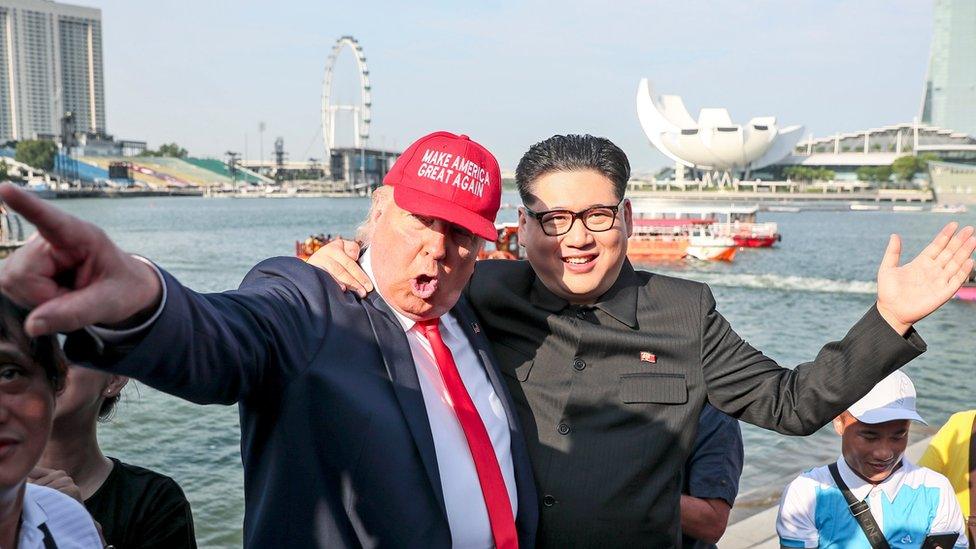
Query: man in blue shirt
711, 479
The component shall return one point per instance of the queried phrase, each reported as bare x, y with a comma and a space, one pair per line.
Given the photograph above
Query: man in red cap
379, 421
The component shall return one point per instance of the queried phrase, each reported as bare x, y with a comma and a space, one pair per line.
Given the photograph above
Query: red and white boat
753, 235
735, 221
656, 240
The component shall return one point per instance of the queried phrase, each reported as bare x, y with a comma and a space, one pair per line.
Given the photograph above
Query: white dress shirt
70, 525
466, 511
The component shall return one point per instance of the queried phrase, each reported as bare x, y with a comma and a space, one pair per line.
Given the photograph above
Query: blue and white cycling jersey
910, 504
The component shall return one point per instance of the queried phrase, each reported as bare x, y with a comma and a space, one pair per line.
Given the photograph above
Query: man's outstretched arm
746, 384
207, 348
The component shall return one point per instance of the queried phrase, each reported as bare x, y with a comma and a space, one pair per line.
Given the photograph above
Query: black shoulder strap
861, 511
48, 538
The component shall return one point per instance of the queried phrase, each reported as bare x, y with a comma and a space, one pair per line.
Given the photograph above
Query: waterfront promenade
115, 193
874, 195
869, 196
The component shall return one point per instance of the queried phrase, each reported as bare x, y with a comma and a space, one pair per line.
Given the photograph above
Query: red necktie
485, 462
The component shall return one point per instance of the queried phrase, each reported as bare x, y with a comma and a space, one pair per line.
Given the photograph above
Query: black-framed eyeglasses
560, 222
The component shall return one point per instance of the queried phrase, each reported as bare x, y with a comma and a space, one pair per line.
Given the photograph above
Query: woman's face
26, 410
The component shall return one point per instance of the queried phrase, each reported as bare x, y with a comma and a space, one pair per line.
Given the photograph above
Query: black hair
43, 350
563, 153
107, 409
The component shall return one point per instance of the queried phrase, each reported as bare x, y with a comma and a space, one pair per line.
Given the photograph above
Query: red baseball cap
449, 177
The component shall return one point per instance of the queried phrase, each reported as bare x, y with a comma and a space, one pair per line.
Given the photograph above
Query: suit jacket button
579, 365
548, 501
563, 429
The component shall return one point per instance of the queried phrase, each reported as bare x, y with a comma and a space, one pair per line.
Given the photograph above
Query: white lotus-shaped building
712, 142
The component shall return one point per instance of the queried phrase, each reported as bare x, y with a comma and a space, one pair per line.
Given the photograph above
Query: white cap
892, 398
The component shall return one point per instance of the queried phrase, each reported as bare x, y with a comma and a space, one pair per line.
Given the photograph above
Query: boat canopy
658, 222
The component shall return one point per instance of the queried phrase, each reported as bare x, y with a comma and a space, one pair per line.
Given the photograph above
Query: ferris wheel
361, 112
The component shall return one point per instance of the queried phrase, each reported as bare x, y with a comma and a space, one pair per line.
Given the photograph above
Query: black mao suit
609, 396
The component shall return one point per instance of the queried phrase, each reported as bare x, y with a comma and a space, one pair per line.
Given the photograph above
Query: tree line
903, 169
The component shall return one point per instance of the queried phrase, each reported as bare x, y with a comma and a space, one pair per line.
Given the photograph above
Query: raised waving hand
910, 292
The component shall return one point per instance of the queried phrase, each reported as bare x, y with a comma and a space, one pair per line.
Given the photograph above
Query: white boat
949, 208
706, 246
783, 209
865, 207
906, 208
11, 232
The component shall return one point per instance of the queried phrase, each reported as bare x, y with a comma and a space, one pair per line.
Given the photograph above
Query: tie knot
429, 325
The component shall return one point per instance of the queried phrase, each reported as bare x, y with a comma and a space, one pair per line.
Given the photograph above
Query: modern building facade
713, 147
50, 65
951, 175
949, 98
845, 152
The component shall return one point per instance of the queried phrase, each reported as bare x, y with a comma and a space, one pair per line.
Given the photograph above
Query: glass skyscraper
50, 64
950, 87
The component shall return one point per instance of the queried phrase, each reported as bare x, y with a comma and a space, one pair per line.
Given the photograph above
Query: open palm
910, 292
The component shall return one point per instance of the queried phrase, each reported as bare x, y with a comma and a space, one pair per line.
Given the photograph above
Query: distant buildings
949, 99
50, 65
844, 153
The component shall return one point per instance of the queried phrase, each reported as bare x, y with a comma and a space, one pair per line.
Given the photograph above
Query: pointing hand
71, 273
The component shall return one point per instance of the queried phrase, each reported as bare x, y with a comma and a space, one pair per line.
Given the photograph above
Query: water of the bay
787, 301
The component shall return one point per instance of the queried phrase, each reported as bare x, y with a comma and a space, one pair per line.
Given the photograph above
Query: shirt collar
31, 518
861, 488
620, 301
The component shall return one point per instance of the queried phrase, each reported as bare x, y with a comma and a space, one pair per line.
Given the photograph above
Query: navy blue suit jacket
336, 444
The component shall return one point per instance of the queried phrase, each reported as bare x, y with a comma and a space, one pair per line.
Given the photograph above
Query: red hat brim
421, 203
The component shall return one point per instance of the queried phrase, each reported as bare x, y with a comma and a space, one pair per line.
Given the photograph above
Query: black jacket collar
620, 301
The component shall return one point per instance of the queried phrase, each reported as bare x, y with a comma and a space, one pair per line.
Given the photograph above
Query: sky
509, 74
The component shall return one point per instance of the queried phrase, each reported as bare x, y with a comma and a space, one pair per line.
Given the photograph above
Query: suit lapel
399, 363
524, 480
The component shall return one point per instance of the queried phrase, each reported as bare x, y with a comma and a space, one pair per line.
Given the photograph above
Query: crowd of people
394, 392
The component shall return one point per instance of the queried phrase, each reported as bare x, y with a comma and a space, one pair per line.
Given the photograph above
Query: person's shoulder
287, 267
810, 481
50, 499
147, 480
961, 421
501, 275
918, 476
494, 268
281, 272
64, 513
711, 415
661, 282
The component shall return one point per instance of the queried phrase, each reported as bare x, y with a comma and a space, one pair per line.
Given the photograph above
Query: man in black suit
609, 367
376, 422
